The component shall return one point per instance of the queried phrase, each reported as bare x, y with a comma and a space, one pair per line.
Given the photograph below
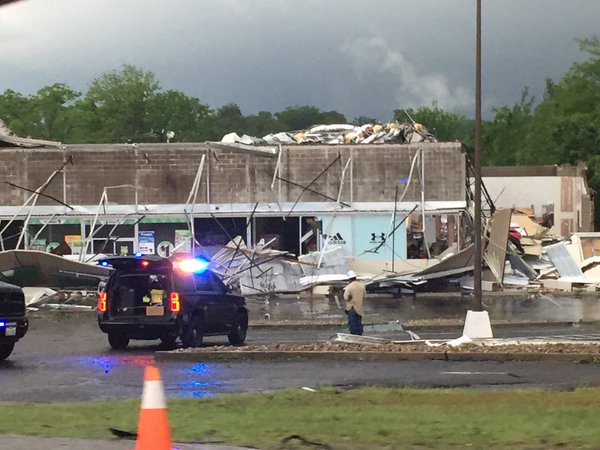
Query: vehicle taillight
102, 302
174, 304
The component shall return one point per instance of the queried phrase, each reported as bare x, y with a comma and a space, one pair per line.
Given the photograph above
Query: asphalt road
67, 358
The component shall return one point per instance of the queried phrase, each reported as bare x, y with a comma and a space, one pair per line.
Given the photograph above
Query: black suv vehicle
149, 297
13, 323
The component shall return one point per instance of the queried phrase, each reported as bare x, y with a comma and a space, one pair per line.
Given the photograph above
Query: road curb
227, 356
408, 326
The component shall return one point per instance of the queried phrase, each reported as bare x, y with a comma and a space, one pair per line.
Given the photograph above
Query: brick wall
164, 173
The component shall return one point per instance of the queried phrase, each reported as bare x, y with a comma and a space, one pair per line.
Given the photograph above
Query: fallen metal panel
461, 261
518, 263
37, 268
270, 152
563, 261
495, 252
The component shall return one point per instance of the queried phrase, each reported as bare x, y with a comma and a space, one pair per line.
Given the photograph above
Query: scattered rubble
408, 347
341, 134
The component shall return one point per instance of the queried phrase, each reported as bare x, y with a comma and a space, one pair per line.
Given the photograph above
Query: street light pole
477, 169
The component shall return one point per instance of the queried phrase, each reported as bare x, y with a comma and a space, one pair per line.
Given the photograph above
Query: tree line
128, 105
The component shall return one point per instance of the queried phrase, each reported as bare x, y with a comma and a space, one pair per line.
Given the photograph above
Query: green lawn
370, 418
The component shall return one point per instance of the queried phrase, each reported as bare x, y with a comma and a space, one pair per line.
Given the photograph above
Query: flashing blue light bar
104, 263
138, 255
2, 324
193, 265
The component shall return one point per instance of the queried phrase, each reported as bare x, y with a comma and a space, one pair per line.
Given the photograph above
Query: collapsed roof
8, 138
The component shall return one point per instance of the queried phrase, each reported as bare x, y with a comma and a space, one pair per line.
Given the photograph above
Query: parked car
149, 297
13, 323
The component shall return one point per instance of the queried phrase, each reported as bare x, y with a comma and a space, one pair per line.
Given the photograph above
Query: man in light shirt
354, 294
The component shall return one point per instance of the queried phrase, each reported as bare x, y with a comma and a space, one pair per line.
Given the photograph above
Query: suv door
219, 312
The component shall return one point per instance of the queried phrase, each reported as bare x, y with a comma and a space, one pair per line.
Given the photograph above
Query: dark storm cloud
355, 57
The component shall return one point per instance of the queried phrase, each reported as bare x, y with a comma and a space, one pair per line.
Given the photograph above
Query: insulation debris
395, 132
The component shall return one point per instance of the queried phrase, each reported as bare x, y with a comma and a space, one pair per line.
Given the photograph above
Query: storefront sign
183, 241
74, 241
165, 249
146, 242
38, 244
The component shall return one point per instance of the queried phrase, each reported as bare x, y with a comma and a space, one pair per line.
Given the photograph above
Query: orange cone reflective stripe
154, 432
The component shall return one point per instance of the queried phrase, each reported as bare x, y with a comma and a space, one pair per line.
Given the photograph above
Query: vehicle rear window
144, 281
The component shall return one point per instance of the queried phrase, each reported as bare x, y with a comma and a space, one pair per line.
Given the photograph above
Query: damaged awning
9, 139
220, 210
36, 268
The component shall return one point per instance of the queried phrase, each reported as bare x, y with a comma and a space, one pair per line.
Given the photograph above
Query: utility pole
477, 169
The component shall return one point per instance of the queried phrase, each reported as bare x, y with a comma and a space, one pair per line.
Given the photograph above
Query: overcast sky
355, 57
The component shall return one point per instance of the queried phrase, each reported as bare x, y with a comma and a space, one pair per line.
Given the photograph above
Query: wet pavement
65, 357
502, 306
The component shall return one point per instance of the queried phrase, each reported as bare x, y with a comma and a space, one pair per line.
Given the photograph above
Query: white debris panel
342, 134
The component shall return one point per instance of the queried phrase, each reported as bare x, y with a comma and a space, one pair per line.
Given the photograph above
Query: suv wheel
6, 350
118, 341
192, 333
237, 335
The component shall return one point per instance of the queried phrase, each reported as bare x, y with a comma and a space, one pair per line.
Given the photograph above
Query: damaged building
557, 197
290, 211
383, 203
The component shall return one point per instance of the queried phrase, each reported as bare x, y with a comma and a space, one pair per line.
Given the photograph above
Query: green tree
261, 124
362, 120
44, 115
565, 126
15, 111
50, 112
504, 135
229, 119
301, 117
186, 117
566, 123
116, 107
445, 125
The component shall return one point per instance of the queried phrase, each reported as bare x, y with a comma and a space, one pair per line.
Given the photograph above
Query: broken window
63, 239
548, 215
440, 233
110, 238
310, 230
285, 232
219, 231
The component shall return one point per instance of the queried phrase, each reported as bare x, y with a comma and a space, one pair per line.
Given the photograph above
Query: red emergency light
102, 301
174, 303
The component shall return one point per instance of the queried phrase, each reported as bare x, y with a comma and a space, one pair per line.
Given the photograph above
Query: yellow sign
74, 241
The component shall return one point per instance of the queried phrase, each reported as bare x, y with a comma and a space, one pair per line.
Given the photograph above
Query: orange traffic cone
154, 432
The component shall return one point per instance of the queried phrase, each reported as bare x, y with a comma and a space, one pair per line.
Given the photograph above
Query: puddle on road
104, 365
197, 381
194, 380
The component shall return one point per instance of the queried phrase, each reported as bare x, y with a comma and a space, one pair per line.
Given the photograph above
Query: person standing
354, 294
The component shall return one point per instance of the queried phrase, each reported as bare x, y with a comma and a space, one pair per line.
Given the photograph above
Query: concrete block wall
164, 173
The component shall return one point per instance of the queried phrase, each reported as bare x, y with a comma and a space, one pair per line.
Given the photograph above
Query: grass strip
373, 418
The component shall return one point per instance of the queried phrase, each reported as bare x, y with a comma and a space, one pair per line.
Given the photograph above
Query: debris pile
392, 132
533, 348
264, 271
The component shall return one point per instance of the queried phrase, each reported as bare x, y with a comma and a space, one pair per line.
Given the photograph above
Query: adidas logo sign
335, 239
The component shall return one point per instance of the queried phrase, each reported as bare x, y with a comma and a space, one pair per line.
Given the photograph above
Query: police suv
149, 297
